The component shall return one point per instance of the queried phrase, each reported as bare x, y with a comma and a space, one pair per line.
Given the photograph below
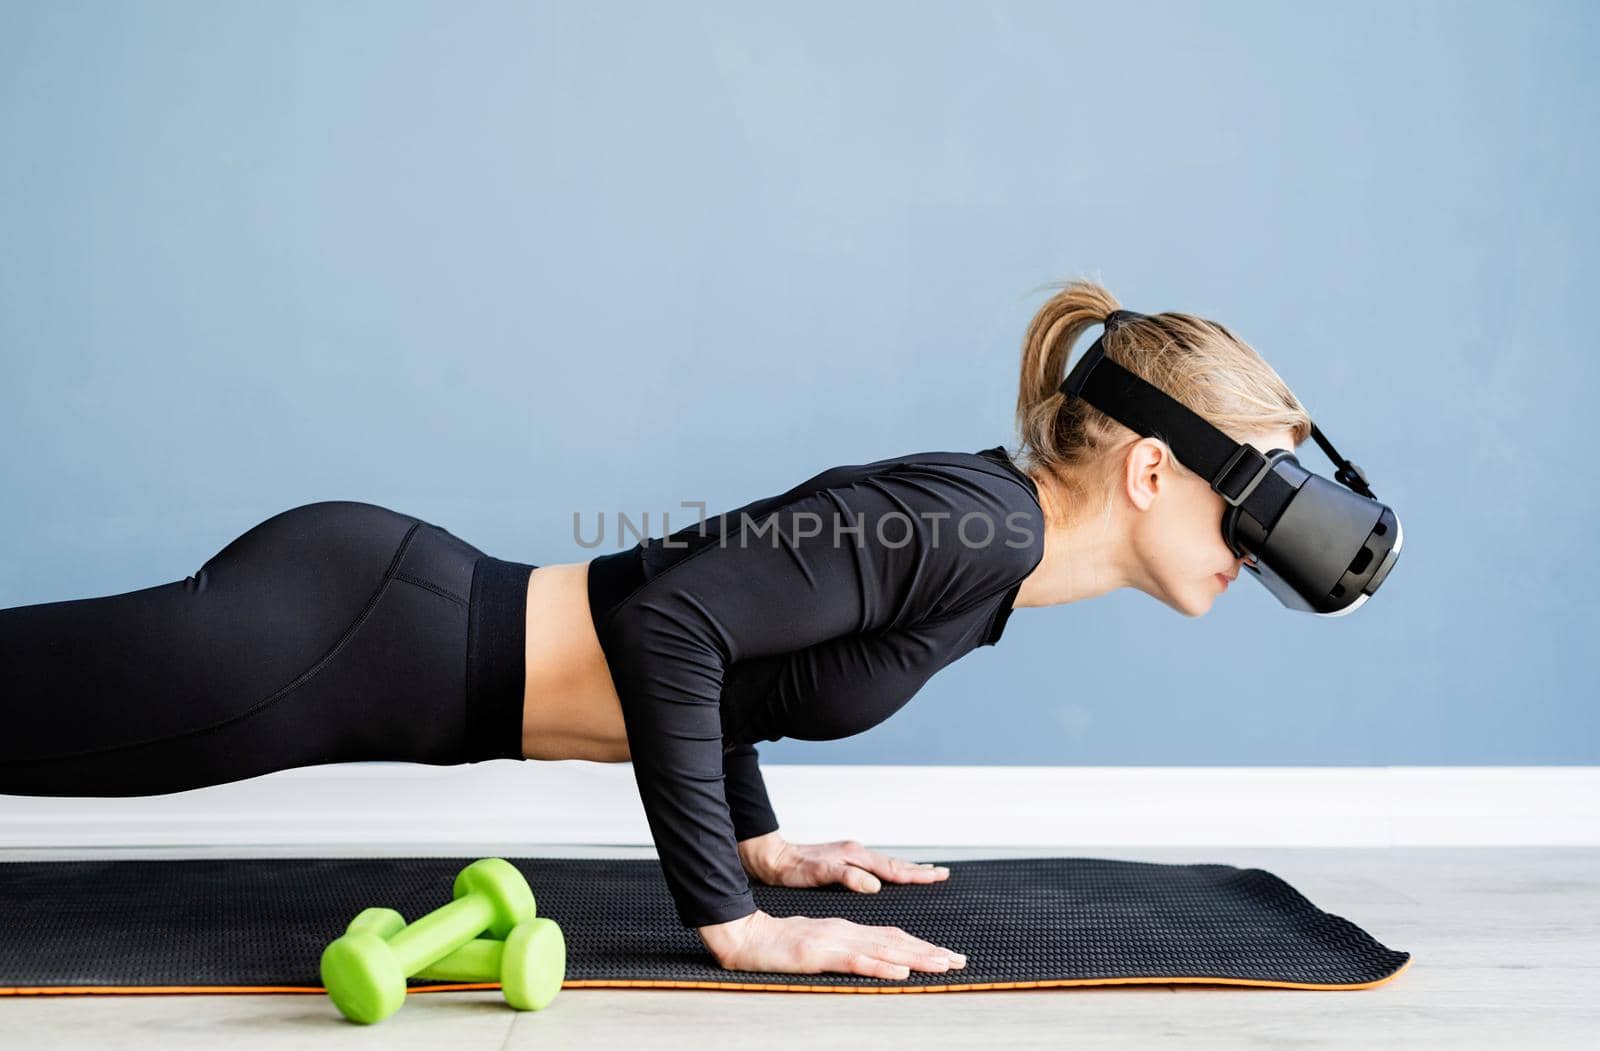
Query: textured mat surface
260, 924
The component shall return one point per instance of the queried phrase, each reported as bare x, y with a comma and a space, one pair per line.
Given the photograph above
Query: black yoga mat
260, 924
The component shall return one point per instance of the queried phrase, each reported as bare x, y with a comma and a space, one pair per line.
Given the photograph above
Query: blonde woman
343, 631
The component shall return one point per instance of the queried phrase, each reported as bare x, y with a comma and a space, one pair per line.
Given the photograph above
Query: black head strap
1117, 317
1234, 469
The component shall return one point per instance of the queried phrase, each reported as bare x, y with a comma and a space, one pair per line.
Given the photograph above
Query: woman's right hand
802, 945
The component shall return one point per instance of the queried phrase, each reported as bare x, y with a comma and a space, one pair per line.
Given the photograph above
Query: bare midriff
570, 708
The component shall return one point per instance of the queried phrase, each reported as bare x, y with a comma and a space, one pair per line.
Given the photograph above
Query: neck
1083, 557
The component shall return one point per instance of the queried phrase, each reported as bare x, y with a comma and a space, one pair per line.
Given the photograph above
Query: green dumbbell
365, 975
529, 965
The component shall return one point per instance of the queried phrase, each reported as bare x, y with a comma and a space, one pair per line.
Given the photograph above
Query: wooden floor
1505, 946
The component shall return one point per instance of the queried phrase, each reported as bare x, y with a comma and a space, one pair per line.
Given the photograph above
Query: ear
1145, 472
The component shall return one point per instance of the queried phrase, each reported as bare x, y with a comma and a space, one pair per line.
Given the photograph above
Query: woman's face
1178, 536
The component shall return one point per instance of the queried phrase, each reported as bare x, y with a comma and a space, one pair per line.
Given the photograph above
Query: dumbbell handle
477, 961
439, 933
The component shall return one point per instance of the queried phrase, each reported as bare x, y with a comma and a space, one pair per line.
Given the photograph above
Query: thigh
386, 682
393, 691
93, 676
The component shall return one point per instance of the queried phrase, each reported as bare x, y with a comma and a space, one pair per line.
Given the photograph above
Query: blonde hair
1198, 362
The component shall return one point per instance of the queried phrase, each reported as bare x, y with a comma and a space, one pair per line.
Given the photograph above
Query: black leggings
333, 632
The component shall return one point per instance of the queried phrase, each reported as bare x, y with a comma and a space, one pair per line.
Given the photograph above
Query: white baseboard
981, 806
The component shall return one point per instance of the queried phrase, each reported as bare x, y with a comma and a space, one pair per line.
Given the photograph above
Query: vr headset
1316, 546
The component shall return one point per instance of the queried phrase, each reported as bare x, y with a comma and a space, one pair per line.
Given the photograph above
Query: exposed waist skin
570, 708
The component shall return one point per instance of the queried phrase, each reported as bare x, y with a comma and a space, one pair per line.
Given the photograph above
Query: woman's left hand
845, 861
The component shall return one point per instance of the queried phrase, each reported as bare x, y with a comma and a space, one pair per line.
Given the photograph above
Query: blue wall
491, 264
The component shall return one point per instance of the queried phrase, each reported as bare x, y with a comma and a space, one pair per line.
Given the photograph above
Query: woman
343, 631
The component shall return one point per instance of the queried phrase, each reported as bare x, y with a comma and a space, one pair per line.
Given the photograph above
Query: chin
1194, 602
1208, 596
1193, 606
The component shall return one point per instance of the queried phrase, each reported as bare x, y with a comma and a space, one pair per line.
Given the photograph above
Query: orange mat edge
617, 983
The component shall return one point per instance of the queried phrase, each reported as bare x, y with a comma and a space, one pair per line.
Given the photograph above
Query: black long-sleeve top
815, 614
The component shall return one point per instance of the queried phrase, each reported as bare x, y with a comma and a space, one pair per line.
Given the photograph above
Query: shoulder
980, 484
990, 525
987, 473
930, 483
971, 516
